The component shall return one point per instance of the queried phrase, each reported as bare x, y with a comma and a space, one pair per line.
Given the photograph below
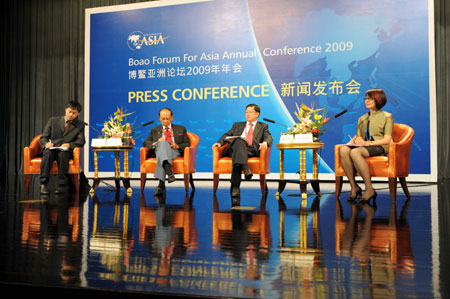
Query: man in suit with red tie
61, 135
166, 142
254, 136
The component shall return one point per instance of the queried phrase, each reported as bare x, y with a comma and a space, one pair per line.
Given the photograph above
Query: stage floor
199, 244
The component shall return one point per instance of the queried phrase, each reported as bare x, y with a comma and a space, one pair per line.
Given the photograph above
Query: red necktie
250, 134
67, 125
167, 134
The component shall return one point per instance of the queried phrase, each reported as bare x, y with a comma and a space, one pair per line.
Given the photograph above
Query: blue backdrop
208, 60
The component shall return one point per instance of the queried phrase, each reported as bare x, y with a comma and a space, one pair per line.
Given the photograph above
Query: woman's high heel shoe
358, 194
364, 200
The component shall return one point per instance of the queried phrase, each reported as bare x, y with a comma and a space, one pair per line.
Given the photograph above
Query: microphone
147, 123
274, 122
143, 125
340, 113
86, 124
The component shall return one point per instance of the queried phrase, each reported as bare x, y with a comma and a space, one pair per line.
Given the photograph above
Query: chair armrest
337, 157
217, 154
26, 160
76, 157
143, 154
190, 159
264, 160
398, 157
30, 152
34, 148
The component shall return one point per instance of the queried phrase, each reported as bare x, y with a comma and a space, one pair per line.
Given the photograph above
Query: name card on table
98, 142
303, 138
106, 141
286, 138
113, 141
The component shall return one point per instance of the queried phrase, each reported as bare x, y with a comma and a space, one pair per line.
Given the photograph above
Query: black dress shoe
44, 189
60, 190
160, 191
171, 178
248, 174
235, 201
235, 191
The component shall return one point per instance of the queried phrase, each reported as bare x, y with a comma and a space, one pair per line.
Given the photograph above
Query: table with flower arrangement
117, 178
302, 147
302, 136
117, 128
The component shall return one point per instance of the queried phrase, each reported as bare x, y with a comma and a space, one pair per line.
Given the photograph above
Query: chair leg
76, 181
143, 180
186, 182
393, 188
405, 187
191, 181
27, 182
262, 183
216, 182
338, 186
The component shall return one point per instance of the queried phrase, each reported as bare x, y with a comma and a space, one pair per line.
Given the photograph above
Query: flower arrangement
310, 120
118, 127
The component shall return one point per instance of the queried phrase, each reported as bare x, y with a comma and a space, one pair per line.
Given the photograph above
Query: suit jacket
54, 131
260, 134
179, 133
382, 123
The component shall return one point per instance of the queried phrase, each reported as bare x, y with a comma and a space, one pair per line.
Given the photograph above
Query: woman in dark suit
373, 135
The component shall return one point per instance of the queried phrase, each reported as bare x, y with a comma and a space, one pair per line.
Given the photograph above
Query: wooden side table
302, 147
117, 150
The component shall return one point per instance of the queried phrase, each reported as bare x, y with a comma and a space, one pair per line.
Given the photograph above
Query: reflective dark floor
199, 244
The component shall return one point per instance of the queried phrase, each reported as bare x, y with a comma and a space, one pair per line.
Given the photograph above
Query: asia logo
137, 40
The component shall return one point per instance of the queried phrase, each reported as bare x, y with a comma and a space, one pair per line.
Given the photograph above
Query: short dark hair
379, 96
256, 107
74, 105
171, 113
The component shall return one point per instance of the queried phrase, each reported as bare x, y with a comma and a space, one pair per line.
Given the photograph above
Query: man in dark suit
254, 136
61, 135
166, 141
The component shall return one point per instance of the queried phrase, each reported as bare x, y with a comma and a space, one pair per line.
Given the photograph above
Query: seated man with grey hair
166, 142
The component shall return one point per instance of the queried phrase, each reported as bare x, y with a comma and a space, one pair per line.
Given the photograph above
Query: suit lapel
158, 131
62, 125
176, 134
241, 128
257, 131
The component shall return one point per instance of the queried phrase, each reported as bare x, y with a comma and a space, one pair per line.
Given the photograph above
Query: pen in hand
351, 139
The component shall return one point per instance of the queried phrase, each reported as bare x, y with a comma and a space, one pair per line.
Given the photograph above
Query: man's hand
174, 145
66, 145
263, 146
49, 144
216, 145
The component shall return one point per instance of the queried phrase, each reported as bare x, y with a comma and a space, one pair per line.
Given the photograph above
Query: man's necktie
250, 134
167, 134
67, 125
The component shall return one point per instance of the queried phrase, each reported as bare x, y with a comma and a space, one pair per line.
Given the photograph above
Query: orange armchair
185, 164
32, 163
258, 165
394, 165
